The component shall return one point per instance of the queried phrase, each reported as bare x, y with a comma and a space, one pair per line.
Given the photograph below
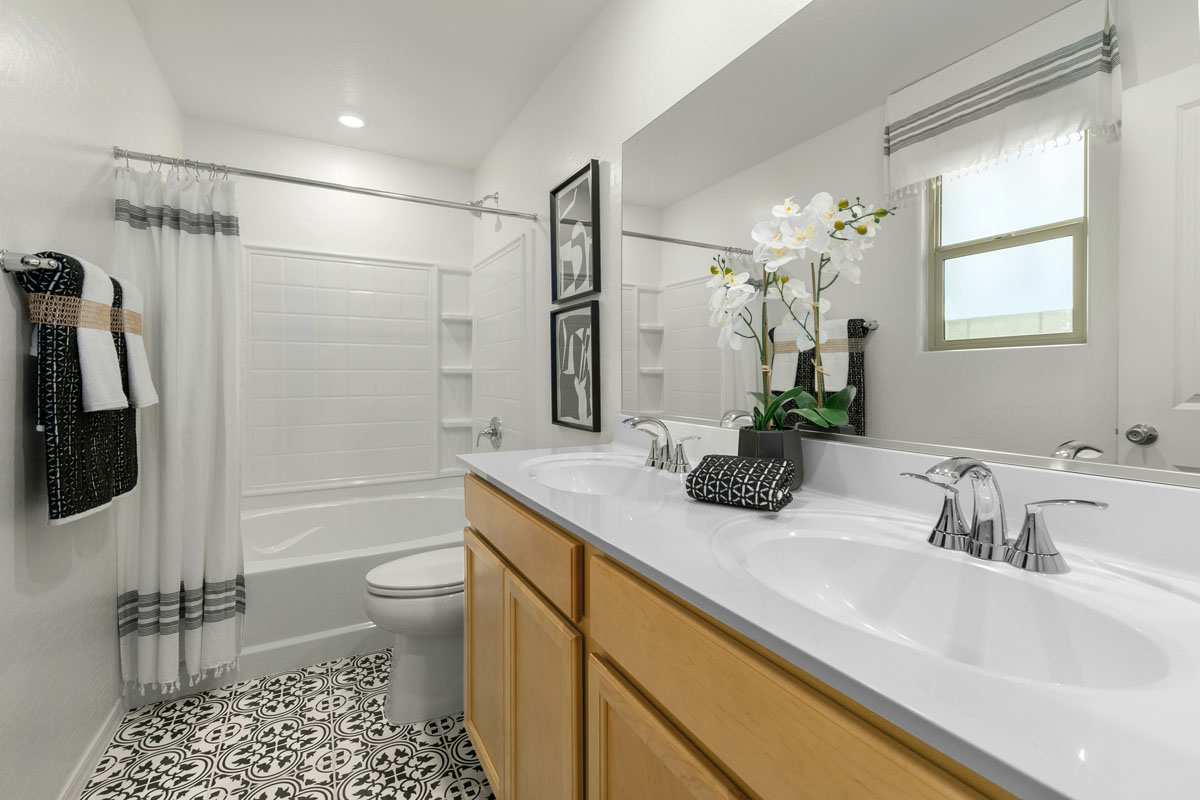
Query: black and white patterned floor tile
317, 733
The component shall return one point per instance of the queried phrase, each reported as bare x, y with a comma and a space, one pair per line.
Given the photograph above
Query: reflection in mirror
1037, 155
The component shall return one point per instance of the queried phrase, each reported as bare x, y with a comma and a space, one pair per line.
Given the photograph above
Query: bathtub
306, 564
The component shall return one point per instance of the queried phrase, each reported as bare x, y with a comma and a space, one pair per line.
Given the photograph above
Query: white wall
77, 78
1012, 399
320, 220
636, 59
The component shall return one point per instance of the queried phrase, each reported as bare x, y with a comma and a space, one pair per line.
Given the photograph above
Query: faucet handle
680, 462
1034, 550
950, 532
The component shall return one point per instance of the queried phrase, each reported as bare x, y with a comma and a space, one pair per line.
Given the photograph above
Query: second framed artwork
575, 366
575, 235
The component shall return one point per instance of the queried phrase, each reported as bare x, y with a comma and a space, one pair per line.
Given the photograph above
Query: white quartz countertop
1035, 739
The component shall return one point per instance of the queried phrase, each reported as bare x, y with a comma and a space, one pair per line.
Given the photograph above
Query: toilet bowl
419, 598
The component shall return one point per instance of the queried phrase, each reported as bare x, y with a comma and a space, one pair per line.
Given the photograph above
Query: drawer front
634, 752
548, 558
780, 738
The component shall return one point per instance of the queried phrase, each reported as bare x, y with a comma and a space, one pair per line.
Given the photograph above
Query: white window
1008, 249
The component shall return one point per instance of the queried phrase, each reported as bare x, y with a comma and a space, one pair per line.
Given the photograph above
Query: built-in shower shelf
651, 370
456, 422
460, 370
449, 316
651, 328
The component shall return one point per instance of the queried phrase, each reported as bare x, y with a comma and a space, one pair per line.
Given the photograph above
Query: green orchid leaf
834, 417
812, 416
806, 400
840, 401
779, 400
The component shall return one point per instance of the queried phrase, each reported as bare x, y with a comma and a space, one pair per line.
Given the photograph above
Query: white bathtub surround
1083, 684
179, 564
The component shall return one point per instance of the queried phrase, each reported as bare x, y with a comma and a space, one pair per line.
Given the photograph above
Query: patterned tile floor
316, 733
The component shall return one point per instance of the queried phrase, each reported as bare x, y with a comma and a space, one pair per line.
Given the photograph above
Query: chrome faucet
987, 538
734, 416
664, 454
1074, 449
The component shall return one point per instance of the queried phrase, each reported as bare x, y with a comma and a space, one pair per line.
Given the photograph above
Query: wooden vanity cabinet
653, 699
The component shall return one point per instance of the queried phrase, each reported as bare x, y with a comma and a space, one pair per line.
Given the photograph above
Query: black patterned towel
90, 457
758, 483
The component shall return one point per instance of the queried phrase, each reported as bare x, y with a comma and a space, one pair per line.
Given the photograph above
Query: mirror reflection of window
1009, 253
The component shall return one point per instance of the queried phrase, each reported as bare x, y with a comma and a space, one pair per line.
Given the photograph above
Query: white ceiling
435, 80
829, 63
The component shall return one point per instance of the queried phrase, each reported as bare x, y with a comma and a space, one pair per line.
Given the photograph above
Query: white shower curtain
182, 595
741, 369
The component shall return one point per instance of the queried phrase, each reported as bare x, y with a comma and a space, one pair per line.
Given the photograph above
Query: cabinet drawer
548, 558
779, 737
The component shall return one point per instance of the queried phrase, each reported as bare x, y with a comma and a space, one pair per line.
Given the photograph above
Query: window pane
1017, 291
1036, 189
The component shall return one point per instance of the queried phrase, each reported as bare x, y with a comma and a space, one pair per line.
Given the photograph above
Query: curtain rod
475, 208
689, 243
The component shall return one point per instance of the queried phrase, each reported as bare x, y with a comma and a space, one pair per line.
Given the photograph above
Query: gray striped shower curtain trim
165, 613
144, 217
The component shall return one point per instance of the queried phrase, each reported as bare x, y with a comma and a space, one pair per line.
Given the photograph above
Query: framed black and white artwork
575, 360
575, 235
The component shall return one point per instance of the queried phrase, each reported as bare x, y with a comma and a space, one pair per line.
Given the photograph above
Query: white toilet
420, 599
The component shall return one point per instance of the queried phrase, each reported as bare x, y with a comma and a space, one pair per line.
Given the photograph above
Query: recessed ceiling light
351, 121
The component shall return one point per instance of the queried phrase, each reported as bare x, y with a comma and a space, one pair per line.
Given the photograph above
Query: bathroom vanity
624, 641
578, 665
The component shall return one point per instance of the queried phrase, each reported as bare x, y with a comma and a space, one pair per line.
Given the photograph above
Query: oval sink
602, 474
990, 617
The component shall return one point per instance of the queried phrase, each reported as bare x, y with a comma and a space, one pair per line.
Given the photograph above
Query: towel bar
23, 262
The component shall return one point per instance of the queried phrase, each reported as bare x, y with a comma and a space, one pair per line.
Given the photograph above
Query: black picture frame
571, 222
567, 350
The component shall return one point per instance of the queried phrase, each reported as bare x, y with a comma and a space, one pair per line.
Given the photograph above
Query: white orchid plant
831, 236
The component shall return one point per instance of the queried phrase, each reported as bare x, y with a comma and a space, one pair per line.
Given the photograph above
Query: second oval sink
601, 473
1021, 626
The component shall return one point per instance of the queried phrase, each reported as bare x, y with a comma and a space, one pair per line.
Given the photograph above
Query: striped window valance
1057, 78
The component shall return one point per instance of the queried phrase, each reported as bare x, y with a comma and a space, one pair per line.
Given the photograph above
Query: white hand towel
784, 359
835, 356
98, 365
141, 385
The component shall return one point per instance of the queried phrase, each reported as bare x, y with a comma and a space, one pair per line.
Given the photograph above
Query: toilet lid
425, 574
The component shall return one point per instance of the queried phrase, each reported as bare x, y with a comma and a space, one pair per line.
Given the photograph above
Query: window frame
1076, 229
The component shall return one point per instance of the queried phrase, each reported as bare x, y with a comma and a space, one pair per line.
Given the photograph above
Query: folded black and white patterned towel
758, 483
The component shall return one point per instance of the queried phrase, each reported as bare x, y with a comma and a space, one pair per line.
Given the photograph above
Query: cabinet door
634, 752
484, 578
543, 698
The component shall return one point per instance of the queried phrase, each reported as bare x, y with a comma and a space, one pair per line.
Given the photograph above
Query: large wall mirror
1035, 291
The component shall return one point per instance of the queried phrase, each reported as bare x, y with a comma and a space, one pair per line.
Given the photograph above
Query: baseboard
88, 761
281, 655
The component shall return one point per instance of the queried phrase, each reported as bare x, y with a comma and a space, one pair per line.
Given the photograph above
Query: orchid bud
862, 229
713, 270
838, 225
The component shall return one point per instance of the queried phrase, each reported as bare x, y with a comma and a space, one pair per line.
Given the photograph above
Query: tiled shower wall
340, 370
690, 354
